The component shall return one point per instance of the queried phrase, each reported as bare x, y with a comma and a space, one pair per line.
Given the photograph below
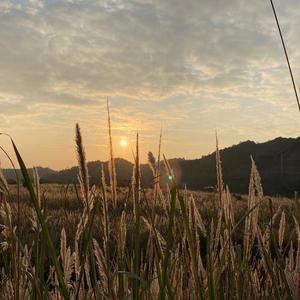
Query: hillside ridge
278, 162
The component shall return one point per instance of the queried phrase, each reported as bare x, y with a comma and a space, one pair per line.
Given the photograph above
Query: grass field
84, 241
105, 242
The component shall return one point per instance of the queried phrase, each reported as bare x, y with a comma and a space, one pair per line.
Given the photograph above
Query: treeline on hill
278, 162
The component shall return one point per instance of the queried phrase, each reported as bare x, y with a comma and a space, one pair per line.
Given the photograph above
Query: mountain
10, 174
278, 162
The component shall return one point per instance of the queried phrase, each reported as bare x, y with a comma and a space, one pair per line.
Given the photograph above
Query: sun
123, 143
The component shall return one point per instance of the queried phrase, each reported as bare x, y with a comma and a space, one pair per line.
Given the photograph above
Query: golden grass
136, 243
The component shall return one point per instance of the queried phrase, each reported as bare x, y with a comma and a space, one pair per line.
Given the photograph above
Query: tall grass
158, 244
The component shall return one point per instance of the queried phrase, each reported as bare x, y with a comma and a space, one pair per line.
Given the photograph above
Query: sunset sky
190, 67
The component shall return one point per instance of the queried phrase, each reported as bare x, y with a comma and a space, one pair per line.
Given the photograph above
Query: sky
191, 67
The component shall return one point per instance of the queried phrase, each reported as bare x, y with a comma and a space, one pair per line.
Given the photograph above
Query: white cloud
190, 62
5, 6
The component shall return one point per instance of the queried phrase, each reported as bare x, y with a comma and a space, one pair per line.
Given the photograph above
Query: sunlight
123, 143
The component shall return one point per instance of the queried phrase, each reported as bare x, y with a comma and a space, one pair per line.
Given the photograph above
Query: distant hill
278, 162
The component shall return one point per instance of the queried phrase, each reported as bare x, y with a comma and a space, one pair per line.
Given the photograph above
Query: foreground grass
82, 242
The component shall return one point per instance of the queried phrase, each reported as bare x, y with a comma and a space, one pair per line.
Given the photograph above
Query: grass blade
45, 230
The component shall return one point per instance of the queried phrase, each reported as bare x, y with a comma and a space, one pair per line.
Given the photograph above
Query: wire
286, 54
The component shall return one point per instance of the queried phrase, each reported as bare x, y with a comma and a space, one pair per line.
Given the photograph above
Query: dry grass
135, 243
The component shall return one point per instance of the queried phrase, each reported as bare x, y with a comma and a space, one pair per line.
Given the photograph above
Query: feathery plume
157, 174
281, 229
251, 223
83, 170
136, 174
3, 182
219, 171
36, 179
152, 163
112, 169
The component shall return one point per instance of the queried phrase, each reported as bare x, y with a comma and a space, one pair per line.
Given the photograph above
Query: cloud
5, 6
189, 64
136, 49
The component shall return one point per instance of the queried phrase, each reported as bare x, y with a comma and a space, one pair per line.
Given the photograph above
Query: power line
286, 54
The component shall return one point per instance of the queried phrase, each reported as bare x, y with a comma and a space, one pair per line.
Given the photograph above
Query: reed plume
83, 175
219, 172
112, 169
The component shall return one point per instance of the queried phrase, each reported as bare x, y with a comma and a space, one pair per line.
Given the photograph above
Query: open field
105, 242
128, 228
64, 208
